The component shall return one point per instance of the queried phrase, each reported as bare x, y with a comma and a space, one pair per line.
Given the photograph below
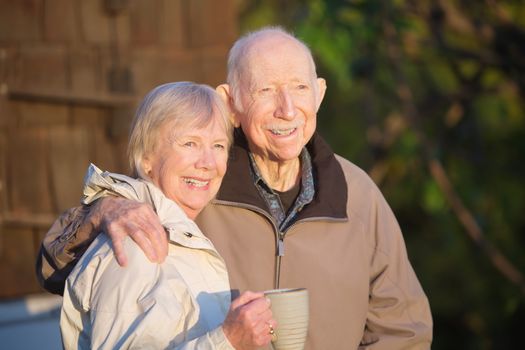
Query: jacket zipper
279, 255
279, 236
280, 245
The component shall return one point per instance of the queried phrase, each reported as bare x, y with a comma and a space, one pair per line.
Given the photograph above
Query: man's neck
280, 176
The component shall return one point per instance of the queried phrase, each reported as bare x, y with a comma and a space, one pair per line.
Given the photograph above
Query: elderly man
290, 213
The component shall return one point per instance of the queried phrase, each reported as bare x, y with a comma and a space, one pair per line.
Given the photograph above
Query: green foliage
409, 81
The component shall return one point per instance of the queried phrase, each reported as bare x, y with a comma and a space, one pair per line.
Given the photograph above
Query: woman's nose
206, 159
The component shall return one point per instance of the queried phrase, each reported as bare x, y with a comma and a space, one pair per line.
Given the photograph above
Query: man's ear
225, 93
321, 89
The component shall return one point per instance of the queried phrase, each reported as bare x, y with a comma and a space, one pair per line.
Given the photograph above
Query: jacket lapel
330, 184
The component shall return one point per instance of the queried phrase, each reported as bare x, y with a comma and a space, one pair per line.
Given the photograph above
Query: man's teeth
282, 132
195, 182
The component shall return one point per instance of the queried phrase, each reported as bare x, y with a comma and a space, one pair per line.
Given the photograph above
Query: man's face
280, 96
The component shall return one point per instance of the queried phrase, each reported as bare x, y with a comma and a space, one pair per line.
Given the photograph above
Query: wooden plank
171, 21
212, 64
3, 174
41, 65
20, 20
212, 23
28, 171
60, 23
38, 114
64, 97
86, 72
95, 22
27, 220
17, 262
145, 22
69, 159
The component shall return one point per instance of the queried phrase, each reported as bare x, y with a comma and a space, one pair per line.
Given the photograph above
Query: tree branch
439, 174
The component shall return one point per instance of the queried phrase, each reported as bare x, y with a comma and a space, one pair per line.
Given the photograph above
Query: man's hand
249, 320
120, 217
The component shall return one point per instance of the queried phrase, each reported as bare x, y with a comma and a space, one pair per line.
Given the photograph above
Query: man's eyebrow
252, 86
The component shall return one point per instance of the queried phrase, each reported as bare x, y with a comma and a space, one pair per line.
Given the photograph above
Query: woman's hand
249, 321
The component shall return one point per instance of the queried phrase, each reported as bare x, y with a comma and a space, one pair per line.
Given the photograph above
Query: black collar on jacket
330, 184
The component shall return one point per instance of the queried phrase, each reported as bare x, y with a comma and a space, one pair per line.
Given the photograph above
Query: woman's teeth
195, 182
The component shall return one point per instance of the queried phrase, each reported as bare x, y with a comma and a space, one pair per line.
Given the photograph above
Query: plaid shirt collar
272, 199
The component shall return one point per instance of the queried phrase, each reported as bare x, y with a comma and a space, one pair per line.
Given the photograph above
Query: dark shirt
285, 213
288, 197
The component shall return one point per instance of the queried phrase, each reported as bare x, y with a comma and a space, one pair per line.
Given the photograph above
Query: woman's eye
219, 146
189, 144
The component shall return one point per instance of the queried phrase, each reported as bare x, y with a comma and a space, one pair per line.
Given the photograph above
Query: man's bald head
242, 49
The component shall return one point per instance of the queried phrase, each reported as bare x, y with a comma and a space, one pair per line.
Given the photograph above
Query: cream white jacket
179, 304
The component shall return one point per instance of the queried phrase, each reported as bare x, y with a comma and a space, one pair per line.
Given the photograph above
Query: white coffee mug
290, 310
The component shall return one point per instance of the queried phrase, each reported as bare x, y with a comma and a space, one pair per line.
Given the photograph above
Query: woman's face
188, 165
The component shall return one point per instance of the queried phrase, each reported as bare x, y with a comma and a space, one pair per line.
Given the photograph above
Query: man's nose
285, 108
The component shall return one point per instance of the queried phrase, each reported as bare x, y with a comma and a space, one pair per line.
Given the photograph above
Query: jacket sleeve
215, 339
142, 306
147, 330
399, 314
61, 248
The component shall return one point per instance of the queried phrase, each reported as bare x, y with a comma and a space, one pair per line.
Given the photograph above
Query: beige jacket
346, 247
180, 304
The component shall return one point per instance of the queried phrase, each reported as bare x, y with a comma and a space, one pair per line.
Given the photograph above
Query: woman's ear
225, 93
146, 165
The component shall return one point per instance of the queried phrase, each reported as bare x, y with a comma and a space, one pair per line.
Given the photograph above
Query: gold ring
272, 332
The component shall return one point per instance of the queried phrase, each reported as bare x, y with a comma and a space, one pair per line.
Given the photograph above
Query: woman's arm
149, 305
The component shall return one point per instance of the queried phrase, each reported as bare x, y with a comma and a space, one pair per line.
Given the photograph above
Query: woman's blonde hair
186, 104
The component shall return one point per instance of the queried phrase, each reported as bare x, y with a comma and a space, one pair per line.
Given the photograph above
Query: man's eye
189, 144
302, 86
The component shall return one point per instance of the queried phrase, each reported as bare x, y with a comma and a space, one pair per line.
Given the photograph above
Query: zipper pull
280, 246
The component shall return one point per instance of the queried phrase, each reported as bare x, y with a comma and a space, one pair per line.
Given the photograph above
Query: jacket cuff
78, 234
218, 338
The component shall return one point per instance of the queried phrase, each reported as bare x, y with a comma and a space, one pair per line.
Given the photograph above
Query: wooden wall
71, 73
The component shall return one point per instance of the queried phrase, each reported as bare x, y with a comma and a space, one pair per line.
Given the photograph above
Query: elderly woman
178, 149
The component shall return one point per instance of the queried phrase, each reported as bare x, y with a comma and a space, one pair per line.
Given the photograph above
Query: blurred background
427, 96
